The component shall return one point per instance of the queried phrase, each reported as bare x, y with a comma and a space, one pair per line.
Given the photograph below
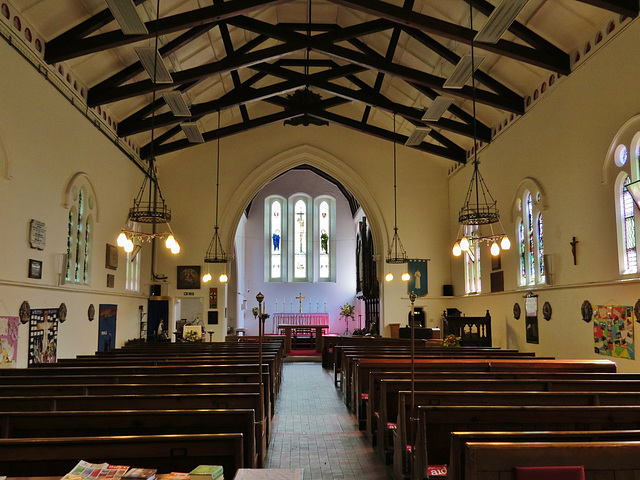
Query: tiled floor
314, 430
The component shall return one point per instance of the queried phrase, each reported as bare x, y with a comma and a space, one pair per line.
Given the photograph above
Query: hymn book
206, 472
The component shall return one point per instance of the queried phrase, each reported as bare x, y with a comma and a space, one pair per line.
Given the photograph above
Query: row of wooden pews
479, 412
166, 406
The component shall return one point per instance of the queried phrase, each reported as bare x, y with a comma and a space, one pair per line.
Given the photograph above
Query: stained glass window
300, 240
629, 239
541, 266
325, 229
523, 256
531, 242
79, 231
276, 237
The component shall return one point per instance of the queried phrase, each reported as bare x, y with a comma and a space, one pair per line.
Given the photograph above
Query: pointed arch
82, 180
305, 155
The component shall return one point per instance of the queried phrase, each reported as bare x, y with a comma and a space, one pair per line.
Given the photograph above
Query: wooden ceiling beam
543, 59
193, 74
57, 50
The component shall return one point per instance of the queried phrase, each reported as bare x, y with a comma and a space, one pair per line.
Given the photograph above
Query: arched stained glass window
530, 234
79, 235
325, 228
523, 256
300, 240
541, 266
531, 245
629, 230
300, 234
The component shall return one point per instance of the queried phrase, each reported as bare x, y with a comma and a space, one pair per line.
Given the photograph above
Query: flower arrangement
264, 316
451, 341
347, 310
254, 310
191, 336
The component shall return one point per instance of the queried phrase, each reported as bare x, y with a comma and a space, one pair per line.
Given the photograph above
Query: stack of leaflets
171, 476
207, 472
89, 471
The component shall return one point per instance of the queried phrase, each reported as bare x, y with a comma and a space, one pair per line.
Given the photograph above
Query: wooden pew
610, 460
389, 406
360, 376
132, 422
435, 424
30, 457
376, 377
166, 370
165, 401
493, 398
457, 457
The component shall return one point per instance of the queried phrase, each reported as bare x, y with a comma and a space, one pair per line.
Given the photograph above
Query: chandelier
215, 253
149, 207
479, 207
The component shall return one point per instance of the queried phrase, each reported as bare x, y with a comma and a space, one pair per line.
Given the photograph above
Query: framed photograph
111, 260
188, 277
35, 268
213, 297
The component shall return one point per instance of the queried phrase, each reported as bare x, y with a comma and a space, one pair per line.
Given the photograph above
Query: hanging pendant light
149, 206
479, 207
396, 250
215, 253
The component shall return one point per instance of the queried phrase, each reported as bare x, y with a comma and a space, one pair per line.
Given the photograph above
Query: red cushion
549, 473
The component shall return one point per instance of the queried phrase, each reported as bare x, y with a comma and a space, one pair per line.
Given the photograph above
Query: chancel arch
261, 192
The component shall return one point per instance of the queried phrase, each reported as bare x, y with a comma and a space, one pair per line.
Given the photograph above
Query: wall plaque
37, 234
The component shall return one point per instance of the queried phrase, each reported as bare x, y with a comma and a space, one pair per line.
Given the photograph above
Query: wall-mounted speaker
447, 290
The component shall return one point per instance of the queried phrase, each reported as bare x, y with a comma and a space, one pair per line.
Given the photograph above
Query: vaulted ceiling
368, 65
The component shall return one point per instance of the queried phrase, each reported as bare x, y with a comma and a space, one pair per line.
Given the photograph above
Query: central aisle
314, 430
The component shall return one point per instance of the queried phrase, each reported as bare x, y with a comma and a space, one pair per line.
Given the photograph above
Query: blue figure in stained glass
276, 240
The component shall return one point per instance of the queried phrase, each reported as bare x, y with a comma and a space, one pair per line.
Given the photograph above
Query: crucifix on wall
574, 243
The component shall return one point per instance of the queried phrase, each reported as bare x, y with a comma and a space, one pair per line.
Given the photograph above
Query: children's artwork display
613, 331
8, 340
43, 336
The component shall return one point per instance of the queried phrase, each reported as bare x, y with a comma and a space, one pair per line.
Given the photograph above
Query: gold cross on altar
301, 298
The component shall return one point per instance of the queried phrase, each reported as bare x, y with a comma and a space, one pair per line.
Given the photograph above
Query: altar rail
299, 319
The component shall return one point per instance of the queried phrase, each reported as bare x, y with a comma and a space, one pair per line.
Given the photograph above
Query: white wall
43, 154
562, 143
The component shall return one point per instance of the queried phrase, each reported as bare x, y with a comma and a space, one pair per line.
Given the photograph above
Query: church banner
43, 336
8, 340
418, 281
613, 331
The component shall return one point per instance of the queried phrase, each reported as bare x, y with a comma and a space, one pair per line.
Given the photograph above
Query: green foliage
191, 336
451, 341
347, 310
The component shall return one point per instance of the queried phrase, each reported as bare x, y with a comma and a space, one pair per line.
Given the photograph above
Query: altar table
287, 334
299, 319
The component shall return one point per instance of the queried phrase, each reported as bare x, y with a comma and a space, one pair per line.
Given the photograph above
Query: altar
299, 319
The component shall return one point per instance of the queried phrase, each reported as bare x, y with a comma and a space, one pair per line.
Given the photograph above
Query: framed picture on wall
111, 260
213, 297
35, 268
188, 277
212, 317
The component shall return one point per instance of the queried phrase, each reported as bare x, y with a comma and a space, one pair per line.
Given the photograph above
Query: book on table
206, 472
140, 474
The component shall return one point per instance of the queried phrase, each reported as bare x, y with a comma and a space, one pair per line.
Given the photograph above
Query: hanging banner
418, 281
613, 331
